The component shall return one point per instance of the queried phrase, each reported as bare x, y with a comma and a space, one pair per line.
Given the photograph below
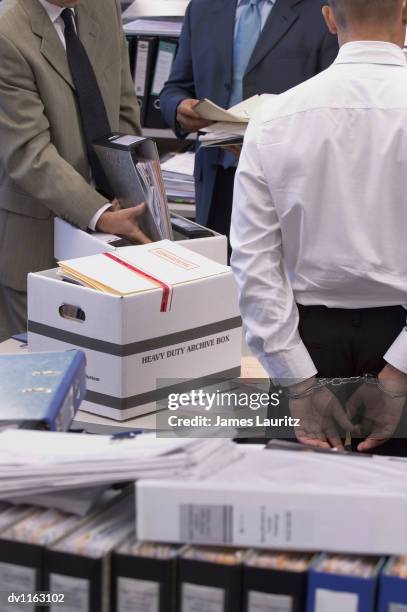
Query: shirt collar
371, 52
54, 11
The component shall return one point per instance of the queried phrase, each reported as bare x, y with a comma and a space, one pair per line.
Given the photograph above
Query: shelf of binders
153, 45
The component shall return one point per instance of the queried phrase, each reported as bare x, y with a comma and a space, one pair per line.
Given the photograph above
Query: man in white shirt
319, 227
64, 82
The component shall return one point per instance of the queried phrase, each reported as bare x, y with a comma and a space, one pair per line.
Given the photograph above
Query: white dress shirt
320, 208
54, 13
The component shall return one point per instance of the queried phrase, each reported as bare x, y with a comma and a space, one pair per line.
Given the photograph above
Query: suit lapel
282, 17
223, 29
51, 46
89, 33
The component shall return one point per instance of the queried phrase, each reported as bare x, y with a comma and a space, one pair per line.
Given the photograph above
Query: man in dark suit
231, 50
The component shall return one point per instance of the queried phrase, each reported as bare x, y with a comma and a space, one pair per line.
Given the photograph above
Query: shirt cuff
289, 367
397, 353
94, 221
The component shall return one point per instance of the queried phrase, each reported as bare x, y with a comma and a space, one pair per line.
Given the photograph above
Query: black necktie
95, 123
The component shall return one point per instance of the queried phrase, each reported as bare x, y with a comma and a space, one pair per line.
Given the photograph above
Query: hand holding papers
188, 118
230, 125
241, 113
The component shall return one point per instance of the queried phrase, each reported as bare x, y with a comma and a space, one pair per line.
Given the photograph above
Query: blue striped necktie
247, 35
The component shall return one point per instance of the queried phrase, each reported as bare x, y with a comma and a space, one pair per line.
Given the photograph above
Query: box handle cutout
72, 313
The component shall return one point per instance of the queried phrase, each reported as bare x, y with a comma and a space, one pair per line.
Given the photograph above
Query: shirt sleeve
269, 312
94, 221
397, 353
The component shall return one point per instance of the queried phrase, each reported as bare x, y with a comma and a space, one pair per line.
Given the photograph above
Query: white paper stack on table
229, 126
48, 462
283, 499
178, 175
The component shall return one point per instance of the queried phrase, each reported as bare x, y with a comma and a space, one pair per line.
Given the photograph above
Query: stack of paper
140, 268
48, 462
178, 175
229, 126
156, 8
156, 27
71, 501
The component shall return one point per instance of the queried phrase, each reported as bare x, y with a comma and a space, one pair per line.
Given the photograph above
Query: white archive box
71, 242
283, 500
137, 354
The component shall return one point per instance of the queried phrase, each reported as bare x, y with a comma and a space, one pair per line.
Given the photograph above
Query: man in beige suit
45, 169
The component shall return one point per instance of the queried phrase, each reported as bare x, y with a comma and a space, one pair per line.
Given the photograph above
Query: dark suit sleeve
328, 51
180, 85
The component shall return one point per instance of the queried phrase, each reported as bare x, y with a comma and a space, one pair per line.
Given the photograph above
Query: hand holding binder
124, 222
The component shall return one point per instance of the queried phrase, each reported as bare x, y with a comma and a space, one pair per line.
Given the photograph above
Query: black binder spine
271, 587
144, 54
200, 580
167, 49
21, 569
132, 45
151, 581
81, 579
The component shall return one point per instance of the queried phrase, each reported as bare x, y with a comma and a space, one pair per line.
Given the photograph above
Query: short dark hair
364, 10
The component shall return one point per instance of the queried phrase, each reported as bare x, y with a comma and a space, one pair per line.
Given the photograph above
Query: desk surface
92, 423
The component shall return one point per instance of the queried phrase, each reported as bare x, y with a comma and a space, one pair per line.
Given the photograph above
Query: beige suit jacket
44, 170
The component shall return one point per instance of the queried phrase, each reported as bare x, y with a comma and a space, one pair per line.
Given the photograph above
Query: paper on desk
47, 462
181, 164
240, 113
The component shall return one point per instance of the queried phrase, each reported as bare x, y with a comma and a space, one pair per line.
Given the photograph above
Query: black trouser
346, 343
220, 213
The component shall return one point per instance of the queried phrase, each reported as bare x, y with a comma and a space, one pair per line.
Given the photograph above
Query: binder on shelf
144, 56
41, 391
78, 565
22, 547
144, 577
209, 579
343, 582
132, 47
275, 581
393, 586
167, 48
